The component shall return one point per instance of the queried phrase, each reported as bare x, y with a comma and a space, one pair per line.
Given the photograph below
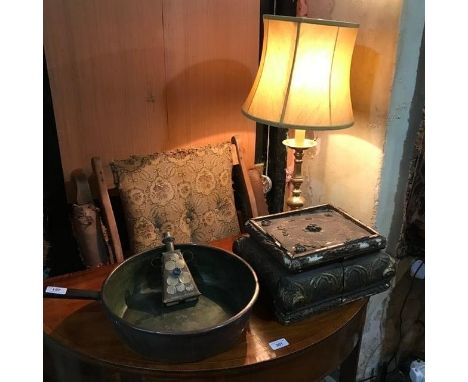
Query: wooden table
80, 344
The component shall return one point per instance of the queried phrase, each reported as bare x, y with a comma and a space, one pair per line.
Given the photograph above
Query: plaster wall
358, 169
345, 169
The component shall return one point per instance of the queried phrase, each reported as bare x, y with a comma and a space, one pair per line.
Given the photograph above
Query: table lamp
303, 82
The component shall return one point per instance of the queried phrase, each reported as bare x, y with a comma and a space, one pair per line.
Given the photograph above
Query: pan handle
69, 293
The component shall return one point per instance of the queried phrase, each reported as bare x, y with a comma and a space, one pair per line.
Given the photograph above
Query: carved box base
295, 296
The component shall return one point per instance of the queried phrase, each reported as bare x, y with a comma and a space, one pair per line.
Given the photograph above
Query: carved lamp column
303, 82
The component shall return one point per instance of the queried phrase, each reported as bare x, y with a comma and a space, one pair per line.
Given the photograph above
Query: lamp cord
367, 379
268, 126
268, 150
401, 321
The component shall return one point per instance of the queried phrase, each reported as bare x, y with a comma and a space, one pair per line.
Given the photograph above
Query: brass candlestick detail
296, 200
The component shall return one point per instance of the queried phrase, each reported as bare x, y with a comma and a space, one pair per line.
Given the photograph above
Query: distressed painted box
305, 238
326, 258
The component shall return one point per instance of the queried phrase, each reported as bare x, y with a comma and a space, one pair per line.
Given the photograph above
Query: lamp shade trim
298, 127
259, 71
309, 20
296, 42
330, 77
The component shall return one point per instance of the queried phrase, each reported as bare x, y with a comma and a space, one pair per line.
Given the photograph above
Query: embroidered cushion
187, 192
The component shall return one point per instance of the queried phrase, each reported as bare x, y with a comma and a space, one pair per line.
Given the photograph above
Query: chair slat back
104, 184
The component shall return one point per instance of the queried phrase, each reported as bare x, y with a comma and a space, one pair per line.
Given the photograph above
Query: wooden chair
249, 197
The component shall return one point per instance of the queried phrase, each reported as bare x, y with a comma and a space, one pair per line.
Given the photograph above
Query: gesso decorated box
315, 258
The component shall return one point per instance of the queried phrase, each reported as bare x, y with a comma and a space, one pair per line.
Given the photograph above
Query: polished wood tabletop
79, 336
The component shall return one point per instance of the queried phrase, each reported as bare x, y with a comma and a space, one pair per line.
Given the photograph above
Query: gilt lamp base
296, 200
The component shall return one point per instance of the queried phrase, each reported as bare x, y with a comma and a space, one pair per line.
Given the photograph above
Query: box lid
311, 236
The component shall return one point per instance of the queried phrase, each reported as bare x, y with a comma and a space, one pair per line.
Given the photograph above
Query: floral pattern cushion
187, 192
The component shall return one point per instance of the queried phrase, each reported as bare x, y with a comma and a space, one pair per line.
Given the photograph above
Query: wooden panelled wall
140, 76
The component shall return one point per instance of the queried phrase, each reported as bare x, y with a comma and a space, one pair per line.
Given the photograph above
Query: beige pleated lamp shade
303, 78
